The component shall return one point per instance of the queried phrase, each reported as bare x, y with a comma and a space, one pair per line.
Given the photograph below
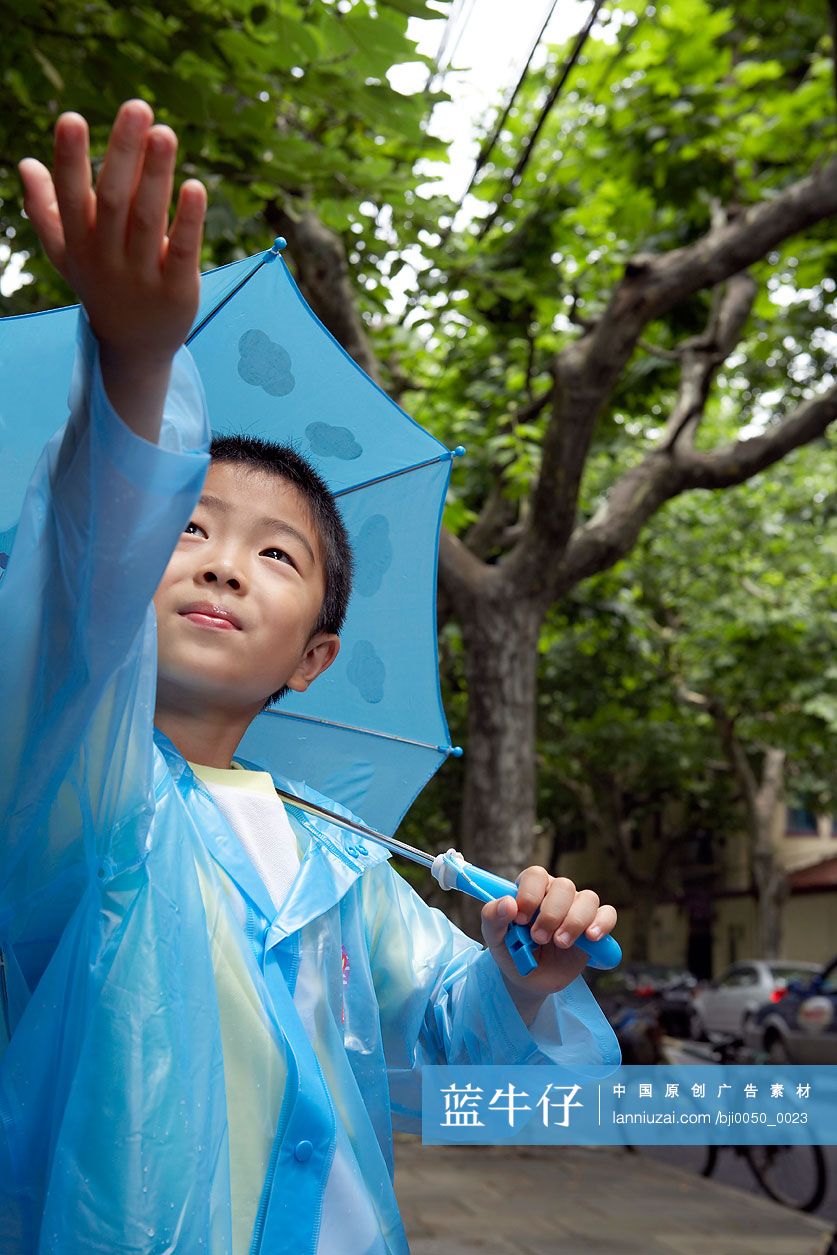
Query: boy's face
267, 574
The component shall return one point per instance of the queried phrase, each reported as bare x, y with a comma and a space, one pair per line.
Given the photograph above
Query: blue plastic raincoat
157, 1011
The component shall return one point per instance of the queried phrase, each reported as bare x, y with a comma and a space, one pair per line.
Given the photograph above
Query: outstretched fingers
149, 214
72, 179
183, 251
119, 177
41, 205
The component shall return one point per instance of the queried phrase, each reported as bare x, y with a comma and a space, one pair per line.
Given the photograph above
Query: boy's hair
285, 463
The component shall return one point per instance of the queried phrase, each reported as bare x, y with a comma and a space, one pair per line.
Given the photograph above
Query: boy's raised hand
138, 280
564, 913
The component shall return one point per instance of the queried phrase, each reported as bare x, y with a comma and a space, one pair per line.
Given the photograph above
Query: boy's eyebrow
215, 503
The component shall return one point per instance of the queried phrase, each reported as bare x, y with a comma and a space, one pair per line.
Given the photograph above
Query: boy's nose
221, 574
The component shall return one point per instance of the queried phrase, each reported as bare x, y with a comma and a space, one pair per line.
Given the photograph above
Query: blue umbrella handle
604, 953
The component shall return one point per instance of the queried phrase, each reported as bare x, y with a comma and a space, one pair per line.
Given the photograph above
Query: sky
490, 44
486, 50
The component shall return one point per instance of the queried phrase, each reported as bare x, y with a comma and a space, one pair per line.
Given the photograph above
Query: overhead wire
453, 23
489, 143
549, 103
467, 14
625, 36
491, 140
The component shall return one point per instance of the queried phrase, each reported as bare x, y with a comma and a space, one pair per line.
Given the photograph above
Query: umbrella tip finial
455, 751
458, 452
279, 244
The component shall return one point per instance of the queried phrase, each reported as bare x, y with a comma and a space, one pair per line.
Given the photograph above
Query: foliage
728, 598
272, 101
674, 112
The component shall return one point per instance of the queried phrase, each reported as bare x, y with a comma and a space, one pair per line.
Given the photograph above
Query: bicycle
795, 1176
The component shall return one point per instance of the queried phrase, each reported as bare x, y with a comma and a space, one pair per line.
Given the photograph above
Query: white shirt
251, 806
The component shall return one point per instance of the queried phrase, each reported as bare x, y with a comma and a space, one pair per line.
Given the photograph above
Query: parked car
801, 1027
727, 1004
656, 992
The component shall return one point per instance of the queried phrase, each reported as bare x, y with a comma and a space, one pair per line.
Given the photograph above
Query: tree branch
323, 271
548, 105
499, 514
725, 727
657, 350
587, 369
733, 463
735, 751
496, 517
399, 382
665, 473
701, 356
462, 576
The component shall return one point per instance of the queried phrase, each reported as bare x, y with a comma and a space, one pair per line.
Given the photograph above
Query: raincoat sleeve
101, 517
442, 1000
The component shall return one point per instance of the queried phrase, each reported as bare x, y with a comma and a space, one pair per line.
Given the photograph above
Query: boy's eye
192, 524
282, 554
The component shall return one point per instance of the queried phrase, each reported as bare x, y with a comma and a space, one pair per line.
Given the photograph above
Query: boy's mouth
206, 615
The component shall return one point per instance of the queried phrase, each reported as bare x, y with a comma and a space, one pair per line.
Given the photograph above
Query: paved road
732, 1169
486, 1200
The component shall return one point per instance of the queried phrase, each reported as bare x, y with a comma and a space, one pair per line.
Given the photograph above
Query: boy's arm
443, 999
102, 514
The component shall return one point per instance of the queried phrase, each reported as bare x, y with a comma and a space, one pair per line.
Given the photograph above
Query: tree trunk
643, 900
498, 808
771, 893
762, 797
769, 876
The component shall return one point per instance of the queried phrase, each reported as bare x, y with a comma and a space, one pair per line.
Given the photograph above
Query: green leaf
413, 8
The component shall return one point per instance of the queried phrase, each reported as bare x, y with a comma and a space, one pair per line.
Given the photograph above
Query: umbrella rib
406, 470
348, 727
268, 256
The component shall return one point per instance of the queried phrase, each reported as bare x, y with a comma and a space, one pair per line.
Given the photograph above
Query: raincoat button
303, 1151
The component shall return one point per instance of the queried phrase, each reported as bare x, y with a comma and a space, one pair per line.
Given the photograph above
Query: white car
729, 1001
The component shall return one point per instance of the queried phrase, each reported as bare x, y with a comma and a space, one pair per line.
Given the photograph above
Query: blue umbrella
372, 731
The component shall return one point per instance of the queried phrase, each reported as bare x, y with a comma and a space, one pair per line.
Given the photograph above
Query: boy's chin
185, 688
197, 691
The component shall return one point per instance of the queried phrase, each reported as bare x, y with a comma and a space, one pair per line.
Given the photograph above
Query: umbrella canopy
371, 731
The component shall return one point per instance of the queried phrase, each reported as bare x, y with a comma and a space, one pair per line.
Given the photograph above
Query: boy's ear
320, 653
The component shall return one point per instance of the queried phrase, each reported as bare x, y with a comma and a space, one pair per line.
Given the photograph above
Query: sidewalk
526, 1200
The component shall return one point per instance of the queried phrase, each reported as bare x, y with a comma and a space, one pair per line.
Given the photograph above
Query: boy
215, 1005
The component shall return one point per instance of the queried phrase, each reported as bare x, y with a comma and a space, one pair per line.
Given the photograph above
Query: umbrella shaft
392, 843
